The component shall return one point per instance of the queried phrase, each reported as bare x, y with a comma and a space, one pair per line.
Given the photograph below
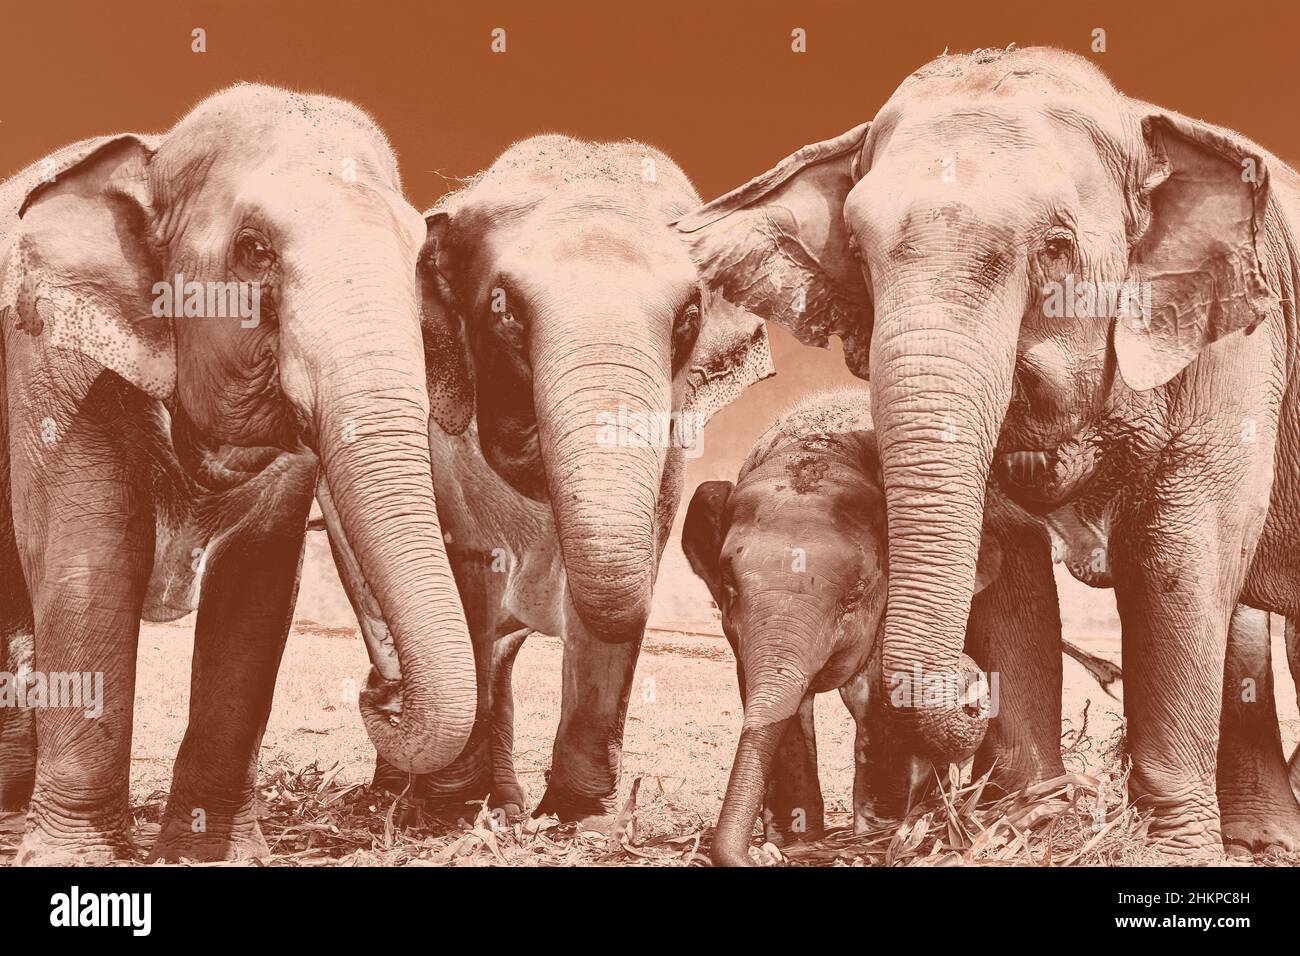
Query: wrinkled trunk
777, 672
941, 381
603, 402
745, 790
363, 360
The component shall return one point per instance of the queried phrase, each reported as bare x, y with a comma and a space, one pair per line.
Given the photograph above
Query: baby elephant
795, 556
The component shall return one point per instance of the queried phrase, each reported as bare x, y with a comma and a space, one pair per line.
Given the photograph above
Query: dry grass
318, 810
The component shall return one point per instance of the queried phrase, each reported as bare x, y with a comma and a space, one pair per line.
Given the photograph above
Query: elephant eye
1056, 255
686, 328
1058, 245
253, 253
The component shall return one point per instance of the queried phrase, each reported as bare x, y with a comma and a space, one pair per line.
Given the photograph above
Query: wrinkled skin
575, 302
929, 239
794, 556
142, 448
1258, 791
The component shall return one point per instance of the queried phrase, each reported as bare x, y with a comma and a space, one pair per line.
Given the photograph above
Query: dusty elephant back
835, 417
534, 169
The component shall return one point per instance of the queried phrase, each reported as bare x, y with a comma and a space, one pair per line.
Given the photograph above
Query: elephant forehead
593, 261
598, 244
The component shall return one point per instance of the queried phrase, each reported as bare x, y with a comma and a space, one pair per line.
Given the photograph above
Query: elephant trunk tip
942, 716
730, 854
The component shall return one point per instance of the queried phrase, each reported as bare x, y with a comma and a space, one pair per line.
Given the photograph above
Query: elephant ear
81, 270
730, 354
703, 532
778, 246
446, 347
1198, 255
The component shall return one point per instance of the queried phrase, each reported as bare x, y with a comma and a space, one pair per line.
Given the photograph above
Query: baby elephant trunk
776, 676
745, 791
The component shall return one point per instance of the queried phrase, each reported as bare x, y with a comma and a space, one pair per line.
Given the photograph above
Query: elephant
596, 360
793, 554
1045, 279
150, 437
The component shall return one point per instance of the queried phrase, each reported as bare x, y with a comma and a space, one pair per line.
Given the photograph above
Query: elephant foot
17, 759
1183, 841
596, 814
1247, 833
233, 840
388, 779
1183, 817
1010, 770
451, 792
80, 847
787, 836
506, 805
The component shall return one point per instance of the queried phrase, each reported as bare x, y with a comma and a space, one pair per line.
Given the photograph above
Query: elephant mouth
1044, 478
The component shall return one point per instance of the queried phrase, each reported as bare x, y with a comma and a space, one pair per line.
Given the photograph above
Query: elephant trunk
365, 382
941, 381
777, 674
604, 417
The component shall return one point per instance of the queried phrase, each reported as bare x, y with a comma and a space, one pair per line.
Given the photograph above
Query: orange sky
714, 84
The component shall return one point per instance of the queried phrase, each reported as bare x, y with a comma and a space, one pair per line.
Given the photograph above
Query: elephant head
597, 355
1004, 236
255, 270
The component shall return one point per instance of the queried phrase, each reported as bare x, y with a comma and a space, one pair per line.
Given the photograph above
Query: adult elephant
1027, 261
295, 202
597, 358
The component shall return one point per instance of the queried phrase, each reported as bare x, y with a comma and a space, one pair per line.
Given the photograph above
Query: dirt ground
683, 723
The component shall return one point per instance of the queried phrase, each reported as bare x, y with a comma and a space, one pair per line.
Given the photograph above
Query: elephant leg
17, 727
89, 571
507, 792
1257, 806
586, 760
245, 610
793, 808
888, 778
1293, 664
856, 695
1175, 603
1014, 634
485, 768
